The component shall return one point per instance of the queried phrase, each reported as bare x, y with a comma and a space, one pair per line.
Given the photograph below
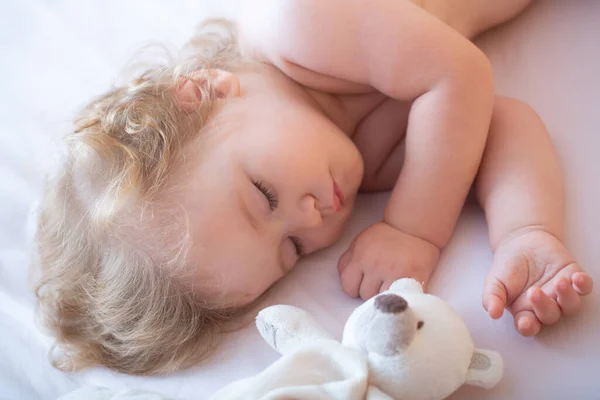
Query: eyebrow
256, 225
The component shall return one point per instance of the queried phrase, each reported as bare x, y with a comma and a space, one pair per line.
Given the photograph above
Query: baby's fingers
350, 279
545, 308
566, 296
494, 297
369, 287
527, 324
582, 283
386, 285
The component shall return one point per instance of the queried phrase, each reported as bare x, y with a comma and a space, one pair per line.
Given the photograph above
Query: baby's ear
189, 90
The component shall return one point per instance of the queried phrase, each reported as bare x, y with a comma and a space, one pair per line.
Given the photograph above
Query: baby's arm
401, 51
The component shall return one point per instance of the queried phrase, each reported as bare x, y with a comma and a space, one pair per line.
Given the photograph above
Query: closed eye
298, 245
273, 202
269, 195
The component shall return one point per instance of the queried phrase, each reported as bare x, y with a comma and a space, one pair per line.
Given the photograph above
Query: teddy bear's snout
388, 327
390, 303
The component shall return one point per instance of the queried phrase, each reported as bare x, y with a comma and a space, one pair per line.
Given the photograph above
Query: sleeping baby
188, 192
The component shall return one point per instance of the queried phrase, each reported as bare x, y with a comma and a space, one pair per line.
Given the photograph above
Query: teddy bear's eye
420, 324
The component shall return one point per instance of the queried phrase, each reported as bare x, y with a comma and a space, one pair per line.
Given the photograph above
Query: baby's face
275, 181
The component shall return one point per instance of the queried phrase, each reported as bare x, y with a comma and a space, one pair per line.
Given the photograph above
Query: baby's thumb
344, 259
494, 297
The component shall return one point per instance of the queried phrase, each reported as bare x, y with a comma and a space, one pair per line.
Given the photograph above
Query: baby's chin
346, 211
339, 228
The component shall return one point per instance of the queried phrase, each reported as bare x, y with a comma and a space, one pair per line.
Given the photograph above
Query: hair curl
108, 248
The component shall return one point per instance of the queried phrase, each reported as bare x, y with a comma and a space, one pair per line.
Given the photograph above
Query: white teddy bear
418, 347
401, 344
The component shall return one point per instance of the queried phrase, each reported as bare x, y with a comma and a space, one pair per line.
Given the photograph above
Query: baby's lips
338, 196
337, 204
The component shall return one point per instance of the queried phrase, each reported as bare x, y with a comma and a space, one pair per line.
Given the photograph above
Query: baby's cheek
265, 279
253, 288
330, 234
336, 233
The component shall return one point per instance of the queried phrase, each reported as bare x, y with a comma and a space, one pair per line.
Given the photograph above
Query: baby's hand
537, 279
381, 254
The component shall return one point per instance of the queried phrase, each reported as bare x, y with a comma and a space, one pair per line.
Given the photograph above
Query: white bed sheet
57, 54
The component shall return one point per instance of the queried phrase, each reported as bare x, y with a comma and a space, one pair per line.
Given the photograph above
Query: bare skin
422, 113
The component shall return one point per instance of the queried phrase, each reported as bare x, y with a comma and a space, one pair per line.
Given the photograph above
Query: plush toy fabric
401, 344
102, 393
417, 346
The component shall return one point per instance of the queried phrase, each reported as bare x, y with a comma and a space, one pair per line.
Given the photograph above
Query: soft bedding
57, 54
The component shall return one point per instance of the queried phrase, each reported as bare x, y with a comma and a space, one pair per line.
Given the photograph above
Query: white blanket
57, 54
325, 370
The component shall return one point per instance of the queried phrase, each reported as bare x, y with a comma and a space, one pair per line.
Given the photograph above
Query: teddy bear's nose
390, 303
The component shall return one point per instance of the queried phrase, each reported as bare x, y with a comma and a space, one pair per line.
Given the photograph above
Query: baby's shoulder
285, 33
280, 28
275, 24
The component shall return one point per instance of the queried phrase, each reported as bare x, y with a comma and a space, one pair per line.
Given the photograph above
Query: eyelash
272, 199
298, 245
268, 194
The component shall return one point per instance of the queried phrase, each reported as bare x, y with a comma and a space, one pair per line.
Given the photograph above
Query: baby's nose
390, 303
309, 215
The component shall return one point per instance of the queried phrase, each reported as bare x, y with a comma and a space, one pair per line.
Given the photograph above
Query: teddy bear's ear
285, 328
406, 285
486, 369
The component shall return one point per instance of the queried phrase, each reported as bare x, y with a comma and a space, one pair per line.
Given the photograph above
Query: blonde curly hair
111, 243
